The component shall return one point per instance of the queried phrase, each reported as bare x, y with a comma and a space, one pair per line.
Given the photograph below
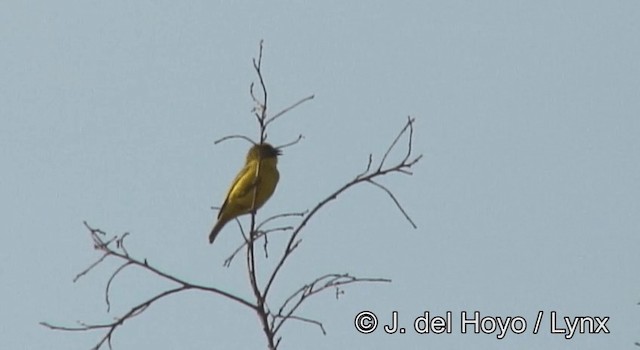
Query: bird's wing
241, 185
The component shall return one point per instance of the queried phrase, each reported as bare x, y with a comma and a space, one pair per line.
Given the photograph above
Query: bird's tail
216, 229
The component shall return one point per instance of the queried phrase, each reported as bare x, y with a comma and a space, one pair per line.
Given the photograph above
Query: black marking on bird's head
262, 151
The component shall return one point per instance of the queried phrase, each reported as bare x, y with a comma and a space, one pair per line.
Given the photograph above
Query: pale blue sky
527, 197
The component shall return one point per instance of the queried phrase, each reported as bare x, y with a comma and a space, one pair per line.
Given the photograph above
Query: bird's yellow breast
253, 186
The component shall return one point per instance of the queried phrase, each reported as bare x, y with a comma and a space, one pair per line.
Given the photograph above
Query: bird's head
263, 151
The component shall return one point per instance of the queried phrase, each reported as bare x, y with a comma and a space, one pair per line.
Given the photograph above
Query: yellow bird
252, 187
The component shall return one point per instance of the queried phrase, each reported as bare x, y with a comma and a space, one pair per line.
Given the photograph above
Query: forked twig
364, 177
119, 252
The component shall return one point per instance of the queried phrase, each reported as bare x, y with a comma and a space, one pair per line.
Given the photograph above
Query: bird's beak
278, 152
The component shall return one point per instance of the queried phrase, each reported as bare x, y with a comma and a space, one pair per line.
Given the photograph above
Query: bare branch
360, 178
410, 143
300, 137
135, 311
233, 137
85, 271
308, 320
261, 106
229, 259
266, 243
408, 125
120, 244
146, 266
367, 169
394, 201
271, 322
259, 232
294, 301
258, 106
279, 114
119, 252
283, 215
106, 290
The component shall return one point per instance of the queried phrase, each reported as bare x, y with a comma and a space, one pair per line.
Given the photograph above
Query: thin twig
316, 286
368, 167
308, 320
85, 271
284, 111
258, 234
394, 201
408, 125
233, 137
278, 216
300, 137
133, 312
106, 290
